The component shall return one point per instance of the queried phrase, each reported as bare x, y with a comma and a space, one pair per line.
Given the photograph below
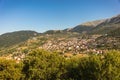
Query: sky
43, 15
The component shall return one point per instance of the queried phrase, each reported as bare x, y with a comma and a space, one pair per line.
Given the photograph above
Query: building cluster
72, 45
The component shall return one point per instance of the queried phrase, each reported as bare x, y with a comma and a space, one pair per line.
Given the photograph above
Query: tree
9, 69
43, 65
95, 67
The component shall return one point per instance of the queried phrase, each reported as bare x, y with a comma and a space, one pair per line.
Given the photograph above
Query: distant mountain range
109, 26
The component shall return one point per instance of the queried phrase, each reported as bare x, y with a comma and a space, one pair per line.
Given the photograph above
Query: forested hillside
10, 39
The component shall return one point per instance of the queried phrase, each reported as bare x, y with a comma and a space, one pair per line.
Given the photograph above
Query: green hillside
9, 39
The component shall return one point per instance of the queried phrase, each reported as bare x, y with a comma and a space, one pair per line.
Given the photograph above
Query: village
70, 46
73, 45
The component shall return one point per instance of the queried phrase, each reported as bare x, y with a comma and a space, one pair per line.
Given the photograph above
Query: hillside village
72, 45
95, 37
91, 44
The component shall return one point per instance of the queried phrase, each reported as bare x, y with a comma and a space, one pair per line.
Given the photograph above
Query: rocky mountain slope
97, 27
107, 26
84, 27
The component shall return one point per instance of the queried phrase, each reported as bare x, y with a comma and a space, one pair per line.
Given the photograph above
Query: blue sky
42, 15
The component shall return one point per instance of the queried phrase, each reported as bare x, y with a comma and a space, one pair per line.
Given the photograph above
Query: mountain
115, 33
113, 20
12, 38
103, 26
84, 27
107, 26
